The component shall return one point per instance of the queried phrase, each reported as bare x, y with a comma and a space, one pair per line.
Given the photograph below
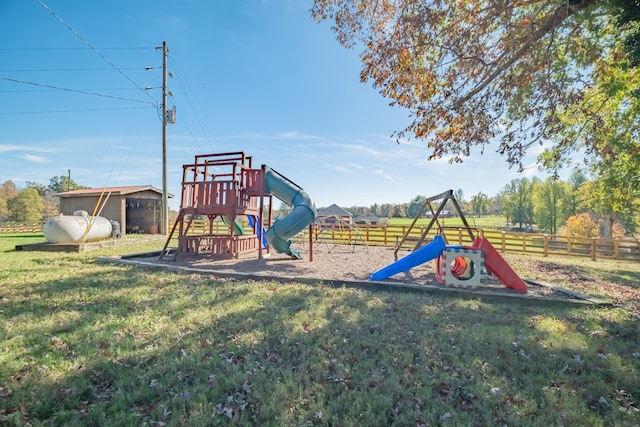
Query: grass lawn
91, 344
486, 221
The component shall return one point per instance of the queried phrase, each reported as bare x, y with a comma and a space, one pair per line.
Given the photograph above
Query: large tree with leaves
480, 204
474, 72
552, 204
26, 206
517, 198
62, 183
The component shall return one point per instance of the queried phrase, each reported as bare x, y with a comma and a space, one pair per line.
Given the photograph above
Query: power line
84, 110
93, 48
38, 70
195, 111
84, 92
113, 89
18, 49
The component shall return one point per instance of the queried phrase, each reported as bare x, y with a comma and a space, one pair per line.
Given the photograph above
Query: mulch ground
356, 264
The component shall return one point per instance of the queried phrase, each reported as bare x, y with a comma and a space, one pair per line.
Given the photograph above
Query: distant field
488, 221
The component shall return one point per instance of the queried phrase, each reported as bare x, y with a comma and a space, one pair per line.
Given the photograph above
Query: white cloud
342, 169
296, 135
35, 159
4, 148
386, 175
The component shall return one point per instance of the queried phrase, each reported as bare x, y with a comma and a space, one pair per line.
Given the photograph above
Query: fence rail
391, 235
11, 227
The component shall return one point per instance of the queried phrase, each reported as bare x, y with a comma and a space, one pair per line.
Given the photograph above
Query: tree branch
559, 15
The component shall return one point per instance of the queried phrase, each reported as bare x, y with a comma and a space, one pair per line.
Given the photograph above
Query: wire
55, 90
47, 70
84, 92
195, 111
94, 49
84, 110
11, 49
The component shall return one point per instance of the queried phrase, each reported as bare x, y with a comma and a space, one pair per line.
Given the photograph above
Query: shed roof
118, 191
333, 210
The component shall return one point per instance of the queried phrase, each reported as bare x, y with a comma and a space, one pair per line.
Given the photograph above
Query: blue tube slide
303, 213
426, 253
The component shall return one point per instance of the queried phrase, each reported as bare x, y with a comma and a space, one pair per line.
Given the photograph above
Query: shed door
143, 216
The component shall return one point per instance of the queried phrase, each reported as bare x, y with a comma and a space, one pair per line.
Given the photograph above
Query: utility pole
164, 228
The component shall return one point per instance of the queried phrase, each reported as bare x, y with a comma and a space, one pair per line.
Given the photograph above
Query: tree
4, 210
415, 205
62, 183
576, 179
552, 206
612, 201
385, 210
397, 212
480, 204
628, 13
50, 203
26, 206
518, 204
7, 191
474, 72
580, 225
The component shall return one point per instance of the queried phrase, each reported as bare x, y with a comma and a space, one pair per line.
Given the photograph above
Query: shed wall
115, 208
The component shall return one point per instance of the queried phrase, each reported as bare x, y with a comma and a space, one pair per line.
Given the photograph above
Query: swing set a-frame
435, 219
457, 265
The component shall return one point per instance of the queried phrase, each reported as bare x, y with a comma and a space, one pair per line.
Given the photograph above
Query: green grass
92, 344
486, 221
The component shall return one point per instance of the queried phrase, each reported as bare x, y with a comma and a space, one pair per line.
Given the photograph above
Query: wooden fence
11, 227
391, 235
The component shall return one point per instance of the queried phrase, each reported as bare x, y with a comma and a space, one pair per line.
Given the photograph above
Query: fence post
502, 242
593, 249
545, 245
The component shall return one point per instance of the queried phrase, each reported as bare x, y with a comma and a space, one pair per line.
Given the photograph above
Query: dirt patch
357, 263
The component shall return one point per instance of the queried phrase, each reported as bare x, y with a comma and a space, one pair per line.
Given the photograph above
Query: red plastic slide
497, 265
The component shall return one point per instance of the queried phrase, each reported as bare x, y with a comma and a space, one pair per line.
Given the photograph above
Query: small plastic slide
425, 254
303, 213
252, 221
239, 230
497, 266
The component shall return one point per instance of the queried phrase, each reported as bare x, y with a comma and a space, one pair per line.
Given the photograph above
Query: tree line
577, 206
35, 202
583, 207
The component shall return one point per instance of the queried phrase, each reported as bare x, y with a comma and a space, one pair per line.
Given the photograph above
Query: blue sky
258, 76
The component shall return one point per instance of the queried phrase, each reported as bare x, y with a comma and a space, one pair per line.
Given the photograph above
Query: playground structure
462, 266
225, 186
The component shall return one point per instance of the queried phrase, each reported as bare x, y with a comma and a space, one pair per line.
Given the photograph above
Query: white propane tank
71, 228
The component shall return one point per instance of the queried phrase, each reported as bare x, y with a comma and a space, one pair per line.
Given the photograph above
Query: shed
333, 214
367, 219
137, 208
